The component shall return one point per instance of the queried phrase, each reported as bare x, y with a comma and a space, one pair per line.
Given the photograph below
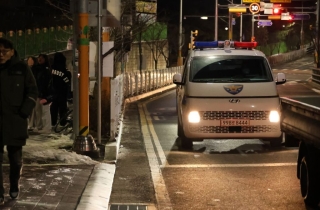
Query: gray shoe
14, 192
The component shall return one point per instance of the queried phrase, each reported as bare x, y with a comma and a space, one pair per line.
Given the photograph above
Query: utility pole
230, 24
216, 22
75, 81
83, 68
99, 71
241, 25
317, 32
180, 62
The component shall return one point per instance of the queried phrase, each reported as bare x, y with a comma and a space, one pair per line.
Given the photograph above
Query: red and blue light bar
221, 44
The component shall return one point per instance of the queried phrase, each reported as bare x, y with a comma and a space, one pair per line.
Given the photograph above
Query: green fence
32, 42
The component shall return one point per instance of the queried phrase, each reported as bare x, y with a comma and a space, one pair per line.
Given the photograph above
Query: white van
227, 92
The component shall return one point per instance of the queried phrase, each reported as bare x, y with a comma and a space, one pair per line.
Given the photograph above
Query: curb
97, 192
112, 148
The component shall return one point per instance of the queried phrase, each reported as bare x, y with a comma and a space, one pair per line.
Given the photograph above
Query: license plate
234, 122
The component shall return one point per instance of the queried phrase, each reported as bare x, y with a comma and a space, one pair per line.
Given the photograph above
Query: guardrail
133, 84
316, 75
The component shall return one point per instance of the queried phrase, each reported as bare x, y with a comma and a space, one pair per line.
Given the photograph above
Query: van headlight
274, 116
194, 117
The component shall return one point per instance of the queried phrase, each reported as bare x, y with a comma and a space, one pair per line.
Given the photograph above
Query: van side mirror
281, 78
177, 79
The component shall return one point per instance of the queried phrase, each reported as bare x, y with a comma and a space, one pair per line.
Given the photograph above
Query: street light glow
204, 18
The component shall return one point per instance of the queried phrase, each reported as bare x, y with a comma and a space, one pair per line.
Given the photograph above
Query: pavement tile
48, 187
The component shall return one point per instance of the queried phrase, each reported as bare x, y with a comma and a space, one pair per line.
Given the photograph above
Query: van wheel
309, 182
186, 143
276, 142
290, 140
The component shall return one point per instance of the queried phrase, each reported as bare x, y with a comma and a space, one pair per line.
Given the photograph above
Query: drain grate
128, 207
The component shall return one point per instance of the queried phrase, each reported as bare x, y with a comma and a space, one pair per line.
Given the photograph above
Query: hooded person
61, 80
42, 74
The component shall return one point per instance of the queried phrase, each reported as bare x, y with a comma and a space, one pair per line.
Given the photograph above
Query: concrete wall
132, 60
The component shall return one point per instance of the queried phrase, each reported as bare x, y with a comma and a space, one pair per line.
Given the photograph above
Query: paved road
65, 186
223, 174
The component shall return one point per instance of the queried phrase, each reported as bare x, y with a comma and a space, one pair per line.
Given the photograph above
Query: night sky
171, 8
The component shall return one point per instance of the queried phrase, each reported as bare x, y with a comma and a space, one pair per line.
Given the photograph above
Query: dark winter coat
42, 74
18, 94
61, 77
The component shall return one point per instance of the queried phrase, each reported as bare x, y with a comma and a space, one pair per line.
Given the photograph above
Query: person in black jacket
42, 74
61, 79
18, 94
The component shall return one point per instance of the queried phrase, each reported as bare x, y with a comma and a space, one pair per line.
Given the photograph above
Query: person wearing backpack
61, 79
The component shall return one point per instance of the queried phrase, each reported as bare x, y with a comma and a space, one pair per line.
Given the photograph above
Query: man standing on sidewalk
18, 94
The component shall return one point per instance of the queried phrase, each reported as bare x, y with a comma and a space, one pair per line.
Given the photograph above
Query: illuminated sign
146, 7
254, 8
280, 1
250, 1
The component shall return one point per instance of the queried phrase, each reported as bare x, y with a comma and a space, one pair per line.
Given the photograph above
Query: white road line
230, 165
156, 141
155, 117
316, 90
161, 192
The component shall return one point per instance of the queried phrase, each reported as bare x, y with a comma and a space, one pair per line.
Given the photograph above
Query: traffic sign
286, 16
301, 16
254, 8
264, 23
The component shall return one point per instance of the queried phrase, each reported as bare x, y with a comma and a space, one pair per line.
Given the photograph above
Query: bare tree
155, 37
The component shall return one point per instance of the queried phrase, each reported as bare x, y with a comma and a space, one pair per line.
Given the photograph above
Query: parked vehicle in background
300, 123
228, 92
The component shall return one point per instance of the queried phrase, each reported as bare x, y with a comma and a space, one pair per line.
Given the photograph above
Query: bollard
85, 145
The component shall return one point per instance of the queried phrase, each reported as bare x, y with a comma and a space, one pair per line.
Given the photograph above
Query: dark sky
207, 7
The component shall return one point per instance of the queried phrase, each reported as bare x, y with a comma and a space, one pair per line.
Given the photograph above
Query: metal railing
132, 84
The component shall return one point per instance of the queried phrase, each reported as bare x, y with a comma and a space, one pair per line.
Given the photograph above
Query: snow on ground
51, 148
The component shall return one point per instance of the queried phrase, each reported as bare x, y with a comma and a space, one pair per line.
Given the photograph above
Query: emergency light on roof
224, 44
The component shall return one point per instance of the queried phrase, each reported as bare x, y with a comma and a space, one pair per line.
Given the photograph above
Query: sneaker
1, 200
14, 192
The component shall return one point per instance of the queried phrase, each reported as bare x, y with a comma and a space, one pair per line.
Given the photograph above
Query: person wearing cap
18, 94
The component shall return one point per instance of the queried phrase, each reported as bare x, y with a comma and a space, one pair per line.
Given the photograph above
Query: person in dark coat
42, 74
18, 94
61, 79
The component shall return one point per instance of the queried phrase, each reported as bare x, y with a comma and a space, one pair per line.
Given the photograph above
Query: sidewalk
54, 177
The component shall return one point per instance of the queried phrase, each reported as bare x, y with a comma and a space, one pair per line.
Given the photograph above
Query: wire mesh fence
30, 42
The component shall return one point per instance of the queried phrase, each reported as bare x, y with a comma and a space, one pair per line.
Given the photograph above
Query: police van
227, 91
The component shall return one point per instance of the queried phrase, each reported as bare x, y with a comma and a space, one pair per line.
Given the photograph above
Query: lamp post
241, 24
216, 22
179, 62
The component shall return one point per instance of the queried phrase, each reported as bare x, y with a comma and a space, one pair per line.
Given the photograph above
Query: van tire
185, 143
180, 129
290, 140
309, 179
276, 142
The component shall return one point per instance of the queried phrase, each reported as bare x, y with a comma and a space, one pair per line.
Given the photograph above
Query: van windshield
229, 69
